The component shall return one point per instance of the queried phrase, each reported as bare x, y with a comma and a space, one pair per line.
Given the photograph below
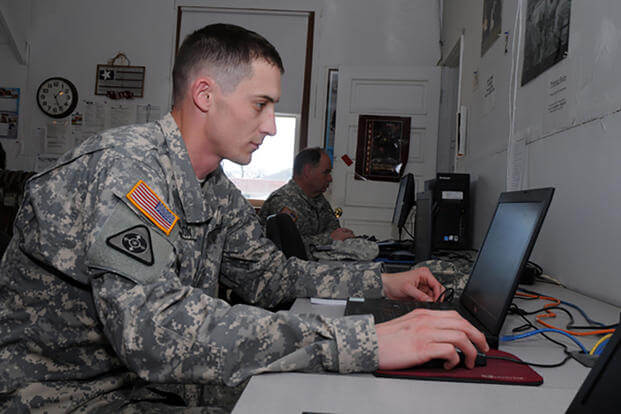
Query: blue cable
600, 348
531, 333
582, 313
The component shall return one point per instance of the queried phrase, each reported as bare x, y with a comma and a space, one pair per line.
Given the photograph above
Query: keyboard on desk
395, 244
396, 249
384, 310
396, 267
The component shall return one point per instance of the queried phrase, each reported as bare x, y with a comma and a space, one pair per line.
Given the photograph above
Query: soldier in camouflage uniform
108, 297
302, 198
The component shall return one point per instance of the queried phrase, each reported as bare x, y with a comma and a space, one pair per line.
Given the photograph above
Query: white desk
364, 393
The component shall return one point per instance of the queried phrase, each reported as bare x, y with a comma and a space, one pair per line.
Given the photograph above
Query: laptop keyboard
384, 310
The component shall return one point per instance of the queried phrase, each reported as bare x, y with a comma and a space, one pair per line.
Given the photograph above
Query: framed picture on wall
491, 24
9, 112
547, 36
330, 125
383, 147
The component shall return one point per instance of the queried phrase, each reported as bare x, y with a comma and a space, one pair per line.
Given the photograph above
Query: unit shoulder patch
134, 242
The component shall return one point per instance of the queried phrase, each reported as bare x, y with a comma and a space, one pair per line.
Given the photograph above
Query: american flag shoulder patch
152, 206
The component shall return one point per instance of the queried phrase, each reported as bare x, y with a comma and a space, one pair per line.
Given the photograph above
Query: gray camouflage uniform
90, 321
315, 221
314, 217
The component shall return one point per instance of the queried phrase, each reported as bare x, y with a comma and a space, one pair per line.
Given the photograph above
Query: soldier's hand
342, 234
424, 334
418, 284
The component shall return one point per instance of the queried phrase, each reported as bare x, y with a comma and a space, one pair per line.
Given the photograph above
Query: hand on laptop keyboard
418, 284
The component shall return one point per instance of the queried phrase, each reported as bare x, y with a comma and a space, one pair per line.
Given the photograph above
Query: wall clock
57, 97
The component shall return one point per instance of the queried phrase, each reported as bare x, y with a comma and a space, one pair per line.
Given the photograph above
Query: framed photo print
547, 36
492, 23
330, 125
383, 146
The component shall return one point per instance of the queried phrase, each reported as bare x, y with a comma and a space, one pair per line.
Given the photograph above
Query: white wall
70, 37
575, 150
13, 74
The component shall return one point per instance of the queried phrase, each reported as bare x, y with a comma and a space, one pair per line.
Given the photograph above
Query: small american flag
150, 204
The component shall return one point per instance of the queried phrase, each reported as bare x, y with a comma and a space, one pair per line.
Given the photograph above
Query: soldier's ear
202, 90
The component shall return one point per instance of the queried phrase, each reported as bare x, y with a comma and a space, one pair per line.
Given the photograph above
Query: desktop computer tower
451, 210
423, 230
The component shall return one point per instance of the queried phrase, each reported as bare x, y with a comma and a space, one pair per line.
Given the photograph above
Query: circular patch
134, 242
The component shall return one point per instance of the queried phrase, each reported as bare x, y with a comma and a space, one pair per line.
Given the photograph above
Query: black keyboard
387, 247
395, 244
384, 310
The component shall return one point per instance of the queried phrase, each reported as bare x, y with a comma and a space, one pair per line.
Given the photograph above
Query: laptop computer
494, 278
599, 393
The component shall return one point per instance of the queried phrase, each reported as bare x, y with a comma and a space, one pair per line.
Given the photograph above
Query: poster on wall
492, 23
383, 147
9, 112
547, 36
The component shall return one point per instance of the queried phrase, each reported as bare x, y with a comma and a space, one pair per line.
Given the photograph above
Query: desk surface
364, 393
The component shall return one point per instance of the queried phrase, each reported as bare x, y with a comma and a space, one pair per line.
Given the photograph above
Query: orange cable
550, 314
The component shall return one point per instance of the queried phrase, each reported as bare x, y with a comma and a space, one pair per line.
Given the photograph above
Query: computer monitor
405, 201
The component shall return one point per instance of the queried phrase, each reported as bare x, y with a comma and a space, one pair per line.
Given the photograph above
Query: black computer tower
451, 210
423, 230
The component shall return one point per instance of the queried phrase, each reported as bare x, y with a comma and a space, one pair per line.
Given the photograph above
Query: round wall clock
57, 97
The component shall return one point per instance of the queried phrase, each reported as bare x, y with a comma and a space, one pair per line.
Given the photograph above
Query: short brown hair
227, 50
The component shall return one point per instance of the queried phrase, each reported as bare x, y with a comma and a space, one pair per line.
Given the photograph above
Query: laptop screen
506, 248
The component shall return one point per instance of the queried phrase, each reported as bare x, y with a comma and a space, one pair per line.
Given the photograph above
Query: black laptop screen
499, 260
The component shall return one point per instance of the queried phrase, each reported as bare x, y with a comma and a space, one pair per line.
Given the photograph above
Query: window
272, 164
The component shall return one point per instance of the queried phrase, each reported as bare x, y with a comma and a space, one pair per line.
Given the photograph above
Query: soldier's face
320, 176
240, 120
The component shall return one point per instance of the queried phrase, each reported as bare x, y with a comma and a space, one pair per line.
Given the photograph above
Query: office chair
281, 229
4, 242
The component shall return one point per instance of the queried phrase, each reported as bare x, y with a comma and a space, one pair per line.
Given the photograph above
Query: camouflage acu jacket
314, 217
111, 281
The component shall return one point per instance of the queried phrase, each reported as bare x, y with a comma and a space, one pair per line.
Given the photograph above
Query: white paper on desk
321, 301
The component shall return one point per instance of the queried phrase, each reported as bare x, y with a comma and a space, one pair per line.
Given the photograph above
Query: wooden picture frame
383, 147
118, 81
330, 116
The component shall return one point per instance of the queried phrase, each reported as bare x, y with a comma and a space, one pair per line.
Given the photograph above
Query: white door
395, 91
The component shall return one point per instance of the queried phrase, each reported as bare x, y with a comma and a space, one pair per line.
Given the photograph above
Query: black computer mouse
480, 361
